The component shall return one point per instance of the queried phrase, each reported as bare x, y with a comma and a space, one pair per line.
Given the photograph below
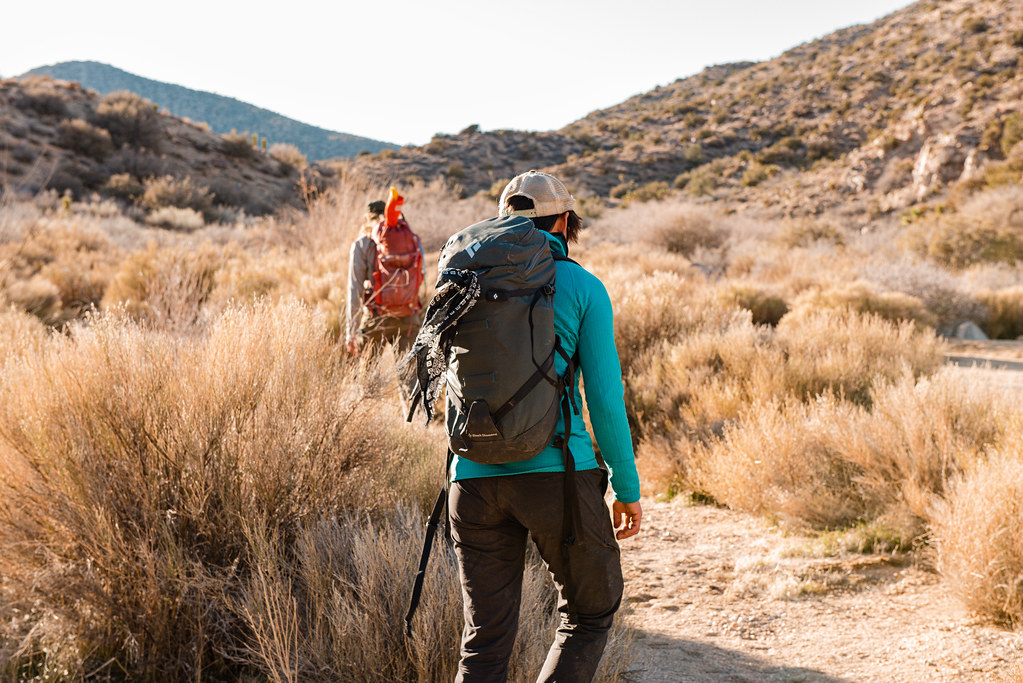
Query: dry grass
194, 483
864, 297
20, 332
979, 541
138, 465
832, 464
305, 625
708, 377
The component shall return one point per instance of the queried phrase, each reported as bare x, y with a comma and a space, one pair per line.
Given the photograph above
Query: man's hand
626, 518
352, 345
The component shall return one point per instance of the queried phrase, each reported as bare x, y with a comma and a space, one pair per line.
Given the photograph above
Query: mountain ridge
872, 118
220, 112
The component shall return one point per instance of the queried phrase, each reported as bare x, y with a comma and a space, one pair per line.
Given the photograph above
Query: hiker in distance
385, 276
510, 301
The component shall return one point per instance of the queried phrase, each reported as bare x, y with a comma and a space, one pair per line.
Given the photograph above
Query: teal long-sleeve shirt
583, 319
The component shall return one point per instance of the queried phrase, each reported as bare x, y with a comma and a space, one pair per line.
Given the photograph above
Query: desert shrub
649, 192
765, 307
699, 183
979, 540
620, 190
238, 145
288, 154
123, 186
496, 188
36, 296
898, 173
81, 137
130, 120
691, 385
960, 243
757, 173
165, 288
587, 207
990, 139
993, 175
182, 193
806, 231
437, 145
175, 218
975, 24
694, 155
662, 306
782, 152
862, 297
685, 231
41, 100
847, 354
56, 270
1004, 318
20, 332
455, 171
1012, 132
832, 464
943, 294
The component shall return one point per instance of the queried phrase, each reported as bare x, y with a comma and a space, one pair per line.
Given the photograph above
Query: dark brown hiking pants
380, 329
491, 519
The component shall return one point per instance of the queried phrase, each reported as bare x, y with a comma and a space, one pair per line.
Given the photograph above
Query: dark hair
572, 227
376, 208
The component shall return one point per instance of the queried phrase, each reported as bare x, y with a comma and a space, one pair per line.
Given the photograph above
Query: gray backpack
502, 390
503, 393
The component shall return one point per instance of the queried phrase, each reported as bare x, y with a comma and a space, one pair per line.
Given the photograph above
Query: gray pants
491, 519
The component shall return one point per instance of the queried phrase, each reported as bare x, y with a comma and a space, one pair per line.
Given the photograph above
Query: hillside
869, 119
60, 136
222, 114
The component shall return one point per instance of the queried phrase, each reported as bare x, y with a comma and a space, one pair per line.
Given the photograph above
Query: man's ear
561, 225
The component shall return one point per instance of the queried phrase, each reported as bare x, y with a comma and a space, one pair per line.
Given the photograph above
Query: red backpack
397, 270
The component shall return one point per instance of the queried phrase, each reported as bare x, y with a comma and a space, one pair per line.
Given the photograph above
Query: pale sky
402, 70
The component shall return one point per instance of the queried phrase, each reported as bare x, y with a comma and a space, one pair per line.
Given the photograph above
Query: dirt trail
716, 595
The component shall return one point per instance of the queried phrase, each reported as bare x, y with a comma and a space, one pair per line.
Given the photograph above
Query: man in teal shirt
495, 508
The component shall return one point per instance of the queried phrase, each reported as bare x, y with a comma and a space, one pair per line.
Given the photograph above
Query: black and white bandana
424, 367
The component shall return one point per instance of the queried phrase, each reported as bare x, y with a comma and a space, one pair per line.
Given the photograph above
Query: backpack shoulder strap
559, 257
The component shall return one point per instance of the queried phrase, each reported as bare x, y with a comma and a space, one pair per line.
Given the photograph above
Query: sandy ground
716, 595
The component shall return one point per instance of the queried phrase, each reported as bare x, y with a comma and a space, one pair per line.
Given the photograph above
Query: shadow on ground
660, 659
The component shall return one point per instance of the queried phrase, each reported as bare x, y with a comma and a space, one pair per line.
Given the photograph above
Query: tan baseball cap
550, 196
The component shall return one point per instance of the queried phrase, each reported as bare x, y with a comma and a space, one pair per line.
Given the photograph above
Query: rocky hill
58, 135
872, 118
222, 114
